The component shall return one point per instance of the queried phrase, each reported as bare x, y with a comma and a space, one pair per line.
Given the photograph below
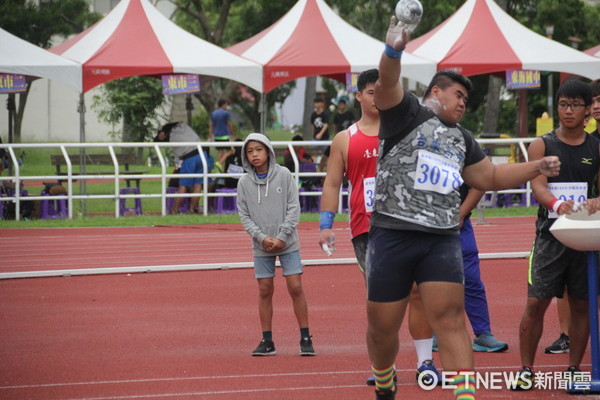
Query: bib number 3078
436, 173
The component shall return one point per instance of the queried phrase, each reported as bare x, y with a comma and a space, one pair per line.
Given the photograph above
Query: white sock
423, 348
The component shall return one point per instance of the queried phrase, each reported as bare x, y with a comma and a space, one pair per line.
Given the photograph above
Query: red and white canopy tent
594, 51
20, 57
481, 38
311, 39
136, 39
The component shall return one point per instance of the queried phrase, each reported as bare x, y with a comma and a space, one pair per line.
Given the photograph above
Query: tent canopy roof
311, 39
136, 39
18, 56
594, 51
481, 38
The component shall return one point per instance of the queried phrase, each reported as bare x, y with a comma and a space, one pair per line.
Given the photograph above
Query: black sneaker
572, 371
265, 348
306, 347
524, 380
577, 381
389, 394
560, 345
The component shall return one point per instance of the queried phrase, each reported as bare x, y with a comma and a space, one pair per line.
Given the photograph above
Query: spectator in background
220, 129
301, 153
188, 157
233, 165
320, 123
344, 117
595, 108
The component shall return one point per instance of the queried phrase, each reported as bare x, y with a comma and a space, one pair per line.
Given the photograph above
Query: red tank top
362, 162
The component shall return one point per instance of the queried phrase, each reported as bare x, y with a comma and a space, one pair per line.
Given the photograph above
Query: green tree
135, 102
37, 24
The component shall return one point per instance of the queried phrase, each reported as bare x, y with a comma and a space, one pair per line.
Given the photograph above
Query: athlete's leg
531, 328
579, 329
384, 320
444, 306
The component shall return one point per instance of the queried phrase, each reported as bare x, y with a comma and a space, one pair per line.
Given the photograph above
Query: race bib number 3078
436, 173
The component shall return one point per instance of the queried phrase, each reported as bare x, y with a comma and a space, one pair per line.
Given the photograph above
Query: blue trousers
475, 299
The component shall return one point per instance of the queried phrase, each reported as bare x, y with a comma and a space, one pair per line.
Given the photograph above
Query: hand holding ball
409, 13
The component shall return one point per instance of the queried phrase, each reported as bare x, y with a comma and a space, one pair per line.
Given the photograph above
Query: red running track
77, 248
188, 335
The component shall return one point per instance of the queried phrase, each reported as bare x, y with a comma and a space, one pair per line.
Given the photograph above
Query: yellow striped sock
465, 386
384, 378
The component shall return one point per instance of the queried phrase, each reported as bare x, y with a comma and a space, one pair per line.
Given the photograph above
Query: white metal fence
159, 149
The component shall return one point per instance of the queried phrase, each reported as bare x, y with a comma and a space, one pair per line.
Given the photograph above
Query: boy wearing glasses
552, 266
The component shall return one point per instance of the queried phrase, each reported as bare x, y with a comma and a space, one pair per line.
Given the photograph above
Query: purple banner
519, 79
180, 84
11, 83
351, 81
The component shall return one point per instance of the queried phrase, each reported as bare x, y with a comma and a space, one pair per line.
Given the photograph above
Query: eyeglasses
563, 105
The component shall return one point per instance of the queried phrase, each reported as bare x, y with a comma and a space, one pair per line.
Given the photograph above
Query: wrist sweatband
555, 205
392, 52
327, 219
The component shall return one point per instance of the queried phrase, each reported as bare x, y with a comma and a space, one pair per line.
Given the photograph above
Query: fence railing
159, 149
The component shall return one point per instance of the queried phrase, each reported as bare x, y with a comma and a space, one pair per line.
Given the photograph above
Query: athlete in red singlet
354, 155
360, 172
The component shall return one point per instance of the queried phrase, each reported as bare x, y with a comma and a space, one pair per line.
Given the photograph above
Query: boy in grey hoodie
269, 209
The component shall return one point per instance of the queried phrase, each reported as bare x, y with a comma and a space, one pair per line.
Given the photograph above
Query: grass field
148, 220
100, 212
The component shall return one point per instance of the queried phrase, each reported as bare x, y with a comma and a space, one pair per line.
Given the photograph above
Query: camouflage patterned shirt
419, 169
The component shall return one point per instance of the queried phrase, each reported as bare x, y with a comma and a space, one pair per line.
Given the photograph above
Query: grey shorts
360, 244
552, 266
397, 258
264, 267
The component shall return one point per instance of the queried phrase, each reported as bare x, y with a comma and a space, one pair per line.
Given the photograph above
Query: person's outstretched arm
388, 89
486, 176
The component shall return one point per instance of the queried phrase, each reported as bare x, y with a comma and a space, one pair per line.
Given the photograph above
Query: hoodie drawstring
266, 190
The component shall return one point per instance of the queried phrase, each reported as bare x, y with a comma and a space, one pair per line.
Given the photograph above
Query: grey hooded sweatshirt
270, 206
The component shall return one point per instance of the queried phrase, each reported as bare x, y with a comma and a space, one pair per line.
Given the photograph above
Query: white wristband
557, 205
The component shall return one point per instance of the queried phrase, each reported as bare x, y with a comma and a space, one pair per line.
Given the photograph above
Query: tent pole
189, 106
82, 182
10, 106
262, 109
523, 113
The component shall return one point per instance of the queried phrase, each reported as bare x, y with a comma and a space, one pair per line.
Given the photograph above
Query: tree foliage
38, 23
135, 102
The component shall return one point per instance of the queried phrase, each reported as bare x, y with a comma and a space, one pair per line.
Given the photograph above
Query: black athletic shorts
397, 258
226, 148
552, 265
360, 244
